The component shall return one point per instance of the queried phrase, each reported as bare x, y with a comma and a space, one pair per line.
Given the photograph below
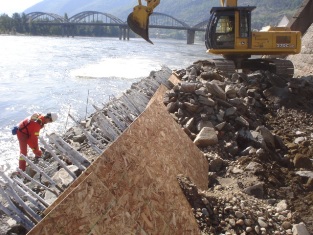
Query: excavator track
281, 67
227, 67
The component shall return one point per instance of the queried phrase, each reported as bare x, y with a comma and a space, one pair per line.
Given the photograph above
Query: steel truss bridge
95, 18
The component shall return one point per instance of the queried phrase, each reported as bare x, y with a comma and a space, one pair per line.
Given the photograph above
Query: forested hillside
268, 12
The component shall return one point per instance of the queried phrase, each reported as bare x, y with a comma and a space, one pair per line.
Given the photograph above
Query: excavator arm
138, 20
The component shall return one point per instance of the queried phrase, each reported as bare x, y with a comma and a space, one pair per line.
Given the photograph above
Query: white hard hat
53, 116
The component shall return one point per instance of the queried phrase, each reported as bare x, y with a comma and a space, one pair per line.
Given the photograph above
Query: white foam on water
126, 68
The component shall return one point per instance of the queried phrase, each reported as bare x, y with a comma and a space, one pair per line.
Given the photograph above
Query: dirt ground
297, 115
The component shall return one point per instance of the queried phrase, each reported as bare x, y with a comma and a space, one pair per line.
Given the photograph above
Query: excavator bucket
138, 21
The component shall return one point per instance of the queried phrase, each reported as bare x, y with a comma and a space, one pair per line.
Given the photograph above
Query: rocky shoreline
256, 132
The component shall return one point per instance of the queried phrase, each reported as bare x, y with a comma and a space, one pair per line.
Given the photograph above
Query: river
68, 75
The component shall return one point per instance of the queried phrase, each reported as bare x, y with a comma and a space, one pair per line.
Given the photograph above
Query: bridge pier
68, 30
124, 33
191, 36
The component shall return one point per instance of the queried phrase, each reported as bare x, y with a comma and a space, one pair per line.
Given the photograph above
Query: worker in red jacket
28, 132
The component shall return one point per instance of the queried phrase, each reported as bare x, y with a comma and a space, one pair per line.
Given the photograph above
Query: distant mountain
71, 7
268, 12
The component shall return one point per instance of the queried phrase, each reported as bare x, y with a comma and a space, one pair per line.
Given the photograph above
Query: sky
12, 6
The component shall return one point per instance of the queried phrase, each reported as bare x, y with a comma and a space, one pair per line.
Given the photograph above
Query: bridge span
95, 18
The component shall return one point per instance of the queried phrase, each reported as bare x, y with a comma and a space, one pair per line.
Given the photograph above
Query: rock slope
256, 132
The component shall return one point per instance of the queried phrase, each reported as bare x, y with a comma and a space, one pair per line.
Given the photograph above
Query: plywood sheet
159, 96
80, 210
132, 187
174, 79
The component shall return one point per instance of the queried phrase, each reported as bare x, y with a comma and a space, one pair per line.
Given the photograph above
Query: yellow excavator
229, 34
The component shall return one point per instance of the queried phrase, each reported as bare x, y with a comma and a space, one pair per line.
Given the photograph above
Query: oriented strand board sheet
79, 211
174, 79
132, 187
158, 95
68, 190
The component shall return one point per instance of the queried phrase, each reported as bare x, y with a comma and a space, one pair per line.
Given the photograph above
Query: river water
68, 75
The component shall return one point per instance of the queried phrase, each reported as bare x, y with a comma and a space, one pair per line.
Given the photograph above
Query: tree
16, 23
5, 23
65, 17
25, 24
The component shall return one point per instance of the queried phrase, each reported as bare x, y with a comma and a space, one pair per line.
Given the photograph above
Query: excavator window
225, 24
225, 31
220, 33
244, 24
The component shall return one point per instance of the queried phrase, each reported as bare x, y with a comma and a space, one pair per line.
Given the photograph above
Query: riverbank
259, 180
86, 140
260, 163
256, 133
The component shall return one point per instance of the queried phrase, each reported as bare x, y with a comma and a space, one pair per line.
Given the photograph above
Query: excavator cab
226, 27
229, 34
